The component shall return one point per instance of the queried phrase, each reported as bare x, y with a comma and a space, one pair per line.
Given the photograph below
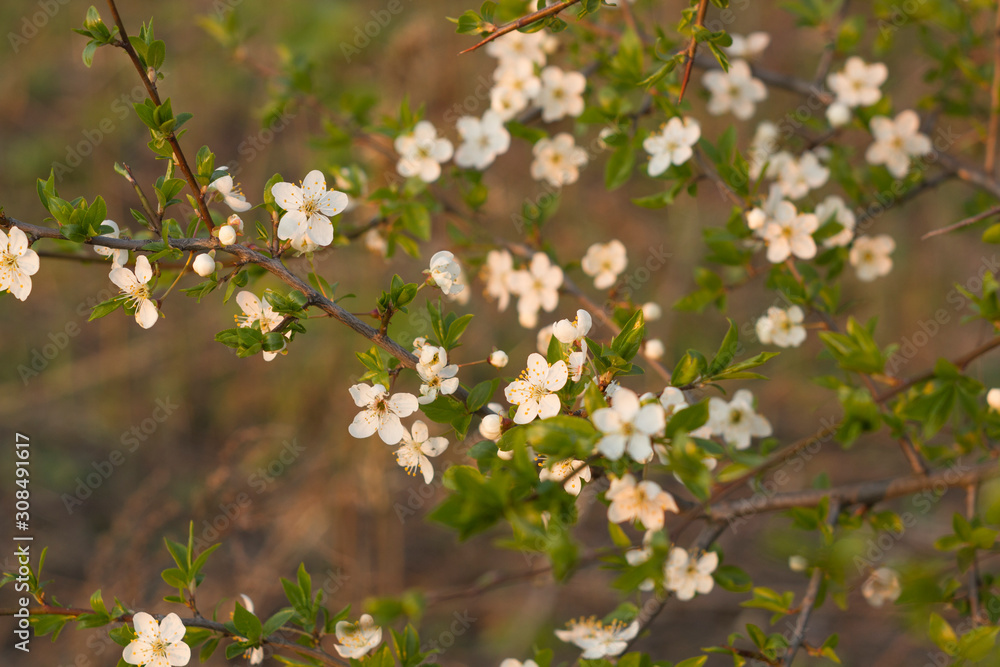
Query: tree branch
526, 20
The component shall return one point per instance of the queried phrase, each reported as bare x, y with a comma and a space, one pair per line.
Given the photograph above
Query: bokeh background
257, 454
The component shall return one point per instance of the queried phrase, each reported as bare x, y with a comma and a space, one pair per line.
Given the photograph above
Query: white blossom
491, 427
993, 399
257, 310
511, 662
514, 46
135, 286
415, 448
482, 140
204, 264
654, 349
735, 91
881, 586
537, 287
498, 359
628, 427
516, 87
896, 141
685, 574
231, 193
561, 470
672, 145
604, 262
227, 235
597, 639
381, 412
857, 85
437, 375
496, 273
782, 327
651, 311
18, 262
749, 47
561, 94
798, 177
763, 145
308, 208
119, 256
870, 256
788, 235
833, 207
573, 333
737, 421
534, 391
557, 160
421, 152
445, 271
157, 644
644, 501
357, 639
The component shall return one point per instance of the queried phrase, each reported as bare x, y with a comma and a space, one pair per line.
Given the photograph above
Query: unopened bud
204, 264
498, 359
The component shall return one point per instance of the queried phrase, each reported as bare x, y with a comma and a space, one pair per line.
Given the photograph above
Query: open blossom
773, 208
421, 152
18, 263
870, 256
798, 177
230, 193
644, 501
516, 86
576, 361
561, 470
308, 209
445, 271
529, 46
416, 447
572, 333
685, 574
834, 208
257, 310
157, 644
536, 287
749, 47
672, 144
597, 639
790, 233
737, 421
857, 85
628, 427
136, 287
557, 160
604, 262
735, 91
482, 140
496, 273
119, 256
896, 141
381, 412
561, 94
356, 639
533, 392
782, 327
437, 375
881, 586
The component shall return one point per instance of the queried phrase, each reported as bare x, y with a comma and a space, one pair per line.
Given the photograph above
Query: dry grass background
332, 507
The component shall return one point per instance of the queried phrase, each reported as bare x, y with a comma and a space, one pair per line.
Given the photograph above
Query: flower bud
498, 359
654, 349
227, 235
490, 427
651, 311
993, 399
204, 264
838, 114
236, 222
797, 563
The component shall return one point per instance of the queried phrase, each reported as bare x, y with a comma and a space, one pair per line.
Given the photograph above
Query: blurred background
136, 433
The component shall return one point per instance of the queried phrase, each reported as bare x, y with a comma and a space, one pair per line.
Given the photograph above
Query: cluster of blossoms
536, 286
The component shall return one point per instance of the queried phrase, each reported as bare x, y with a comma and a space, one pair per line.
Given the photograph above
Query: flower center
735, 416
159, 647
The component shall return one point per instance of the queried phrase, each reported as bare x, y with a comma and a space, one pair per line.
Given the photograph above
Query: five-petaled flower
534, 392
356, 639
604, 262
157, 644
415, 447
18, 262
896, 141
445, 272
737, 421
557, 160
536, 287
308, 209
790, 233
231, 193
870, 256
644, 501
628, 427
561, 94
576, 471
598, 639
381, 412
672, 144
136, 287
421, 152
685, 574
482, 140
736, 90
781, 327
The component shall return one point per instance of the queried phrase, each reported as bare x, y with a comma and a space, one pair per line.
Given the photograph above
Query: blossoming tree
602, 415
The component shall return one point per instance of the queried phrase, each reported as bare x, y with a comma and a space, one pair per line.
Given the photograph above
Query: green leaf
942, 634
480, 394
626, 344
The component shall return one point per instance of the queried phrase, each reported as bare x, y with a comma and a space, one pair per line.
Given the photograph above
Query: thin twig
526, 20
971, 220
692, 48
970, 513
809, 599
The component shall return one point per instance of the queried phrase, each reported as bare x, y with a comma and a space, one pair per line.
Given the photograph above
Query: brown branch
692, 48
155, 97
197, 622
989, 163
969, 174
960, 362
526, 20
809, 599
861, 493
971, 220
